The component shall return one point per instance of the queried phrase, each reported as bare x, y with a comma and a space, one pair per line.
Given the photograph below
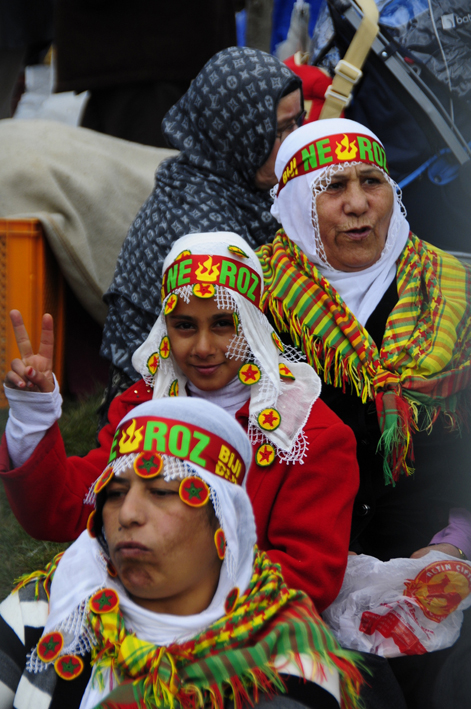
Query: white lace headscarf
254, 342
295, 208
83, 569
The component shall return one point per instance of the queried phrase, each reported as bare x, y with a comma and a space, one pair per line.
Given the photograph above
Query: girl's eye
183, 325
225, 323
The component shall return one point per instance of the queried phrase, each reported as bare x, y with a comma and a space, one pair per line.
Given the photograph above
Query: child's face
200, 334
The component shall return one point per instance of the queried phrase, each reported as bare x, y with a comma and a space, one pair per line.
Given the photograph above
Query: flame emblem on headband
346, 150
130, 438
206, 271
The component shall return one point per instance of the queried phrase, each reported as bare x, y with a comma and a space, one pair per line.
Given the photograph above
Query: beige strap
348, 70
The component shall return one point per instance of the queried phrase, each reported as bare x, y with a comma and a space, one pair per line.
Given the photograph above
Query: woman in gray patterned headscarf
229, 127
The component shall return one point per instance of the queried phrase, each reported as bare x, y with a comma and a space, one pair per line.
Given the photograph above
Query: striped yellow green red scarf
423, 366
233, 658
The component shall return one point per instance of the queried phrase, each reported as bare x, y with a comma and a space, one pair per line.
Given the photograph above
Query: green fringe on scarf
423, 368
233, 658
43, 576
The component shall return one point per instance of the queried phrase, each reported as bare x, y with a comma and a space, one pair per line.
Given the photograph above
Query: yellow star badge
152, 363
237, 251
265, 455
49, 646
164, 348
204, 290
277, 341
269, 419
90, 524
69, 666
235, 318
171, 304
249, 374
285, 372
104, 479
183, 254
173, 390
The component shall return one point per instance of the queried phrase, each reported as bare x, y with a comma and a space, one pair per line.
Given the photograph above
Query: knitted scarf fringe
418, 413
232, 658
45, 576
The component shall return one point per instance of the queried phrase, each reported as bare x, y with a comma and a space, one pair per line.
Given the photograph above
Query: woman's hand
33, 372
444, 547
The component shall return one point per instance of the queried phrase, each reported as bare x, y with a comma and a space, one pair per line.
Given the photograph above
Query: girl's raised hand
33, 372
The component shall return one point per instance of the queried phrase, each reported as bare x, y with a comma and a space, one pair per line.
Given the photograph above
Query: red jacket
303, 512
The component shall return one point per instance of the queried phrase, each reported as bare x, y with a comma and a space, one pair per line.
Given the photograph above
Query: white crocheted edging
321, 183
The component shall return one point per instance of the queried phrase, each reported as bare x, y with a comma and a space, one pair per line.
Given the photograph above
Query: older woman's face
354, 214
162, 549
287, 112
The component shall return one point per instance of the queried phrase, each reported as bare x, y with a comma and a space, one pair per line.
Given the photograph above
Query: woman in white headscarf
212, 341
164, 601
384, 318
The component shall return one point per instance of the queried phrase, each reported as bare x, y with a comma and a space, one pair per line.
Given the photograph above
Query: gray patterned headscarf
225, 128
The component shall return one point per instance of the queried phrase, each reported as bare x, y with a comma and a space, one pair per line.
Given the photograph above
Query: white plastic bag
402, 606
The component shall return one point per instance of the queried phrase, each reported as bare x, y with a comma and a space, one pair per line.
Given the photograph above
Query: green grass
19, 553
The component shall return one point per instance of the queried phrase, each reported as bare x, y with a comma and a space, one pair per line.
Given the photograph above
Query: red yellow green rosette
194, 491
69, 666
49, 646
220, 541
106, 600
231, 600
103, 480
148, 464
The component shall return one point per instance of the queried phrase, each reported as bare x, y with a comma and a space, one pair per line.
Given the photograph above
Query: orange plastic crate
30, 281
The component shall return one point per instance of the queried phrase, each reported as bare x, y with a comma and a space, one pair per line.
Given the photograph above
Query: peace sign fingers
32, 371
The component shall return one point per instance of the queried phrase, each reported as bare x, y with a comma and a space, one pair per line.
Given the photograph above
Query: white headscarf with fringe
83, 570
295, 208
293, 399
